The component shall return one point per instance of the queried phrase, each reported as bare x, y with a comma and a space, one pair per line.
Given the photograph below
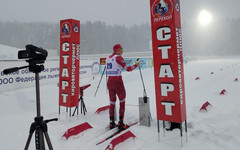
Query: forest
95, 37
220, 38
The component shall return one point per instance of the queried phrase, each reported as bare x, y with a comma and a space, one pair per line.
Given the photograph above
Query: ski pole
100, 81
144, 90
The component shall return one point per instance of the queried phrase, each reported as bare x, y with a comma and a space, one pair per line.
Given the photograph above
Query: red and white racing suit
114, 64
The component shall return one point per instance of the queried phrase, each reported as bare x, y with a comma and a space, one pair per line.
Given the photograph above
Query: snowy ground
217, 129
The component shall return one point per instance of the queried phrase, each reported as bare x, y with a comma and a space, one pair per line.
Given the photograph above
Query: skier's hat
117, 47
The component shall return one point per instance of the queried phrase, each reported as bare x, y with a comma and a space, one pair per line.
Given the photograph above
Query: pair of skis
115, 133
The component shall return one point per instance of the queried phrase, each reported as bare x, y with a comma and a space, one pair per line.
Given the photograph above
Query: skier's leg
112, 98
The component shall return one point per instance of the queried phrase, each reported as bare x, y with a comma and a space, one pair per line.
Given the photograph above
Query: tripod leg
48, 141
28, 141
39, 140
32, 129
84, 107
78, 110
75, 110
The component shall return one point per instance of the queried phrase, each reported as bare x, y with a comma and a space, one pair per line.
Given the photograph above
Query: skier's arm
121, 62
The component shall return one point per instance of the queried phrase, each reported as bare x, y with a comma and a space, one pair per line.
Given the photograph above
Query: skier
114, 64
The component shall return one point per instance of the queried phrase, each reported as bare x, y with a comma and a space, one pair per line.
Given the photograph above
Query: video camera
35, 54
37, 57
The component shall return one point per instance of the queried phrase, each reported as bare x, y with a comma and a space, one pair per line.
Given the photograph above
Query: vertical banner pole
181, 134
164, 127
158, 130
59, 112
186, 130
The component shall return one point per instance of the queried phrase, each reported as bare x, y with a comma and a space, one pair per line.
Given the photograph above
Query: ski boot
112, 123
121, 125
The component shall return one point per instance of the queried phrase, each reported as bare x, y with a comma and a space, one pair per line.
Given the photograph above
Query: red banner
120, 139
69, 62
168, 60
76, 130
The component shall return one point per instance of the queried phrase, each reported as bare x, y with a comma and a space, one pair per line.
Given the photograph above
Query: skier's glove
137, 62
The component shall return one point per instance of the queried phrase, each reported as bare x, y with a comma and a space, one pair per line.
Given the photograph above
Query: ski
115, 133
107, 129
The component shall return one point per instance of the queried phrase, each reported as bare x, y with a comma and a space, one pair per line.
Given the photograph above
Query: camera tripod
83, 107
39, 125
37, 57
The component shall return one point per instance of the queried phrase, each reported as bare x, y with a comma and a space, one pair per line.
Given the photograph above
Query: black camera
37, 57
34, 53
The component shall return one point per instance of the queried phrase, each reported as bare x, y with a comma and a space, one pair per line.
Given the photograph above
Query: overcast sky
127, 12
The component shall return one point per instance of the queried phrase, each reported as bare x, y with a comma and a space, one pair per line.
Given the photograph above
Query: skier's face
120, 51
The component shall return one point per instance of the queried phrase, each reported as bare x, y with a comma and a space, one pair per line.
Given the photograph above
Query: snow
216, 129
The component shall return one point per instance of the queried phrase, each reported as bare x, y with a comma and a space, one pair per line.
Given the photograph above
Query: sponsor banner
95, 68
50, 75
168, 60
69, 62
24, 78
89, 68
